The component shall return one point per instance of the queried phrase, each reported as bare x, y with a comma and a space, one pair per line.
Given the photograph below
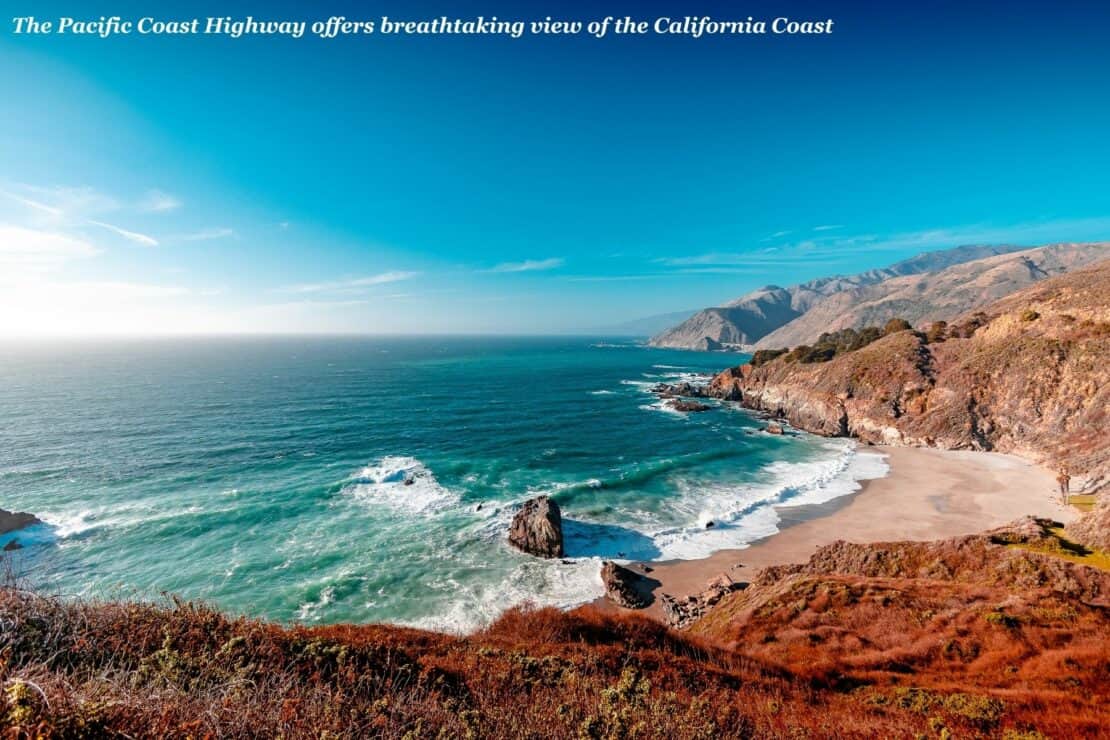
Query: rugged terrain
751, 317
1027, 374
934, 296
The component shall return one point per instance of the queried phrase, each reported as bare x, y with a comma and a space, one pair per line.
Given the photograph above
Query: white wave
402, 483
744, 514
308, 610
68, 524
662, 406
561, 583
601, 393
670, 367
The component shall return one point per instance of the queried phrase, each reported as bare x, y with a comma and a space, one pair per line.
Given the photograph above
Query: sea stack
537, 528
10, 521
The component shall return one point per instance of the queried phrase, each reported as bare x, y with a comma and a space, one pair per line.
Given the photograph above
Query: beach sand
928, 494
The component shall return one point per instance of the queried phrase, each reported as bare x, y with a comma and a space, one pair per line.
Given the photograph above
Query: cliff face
934, 296
1033, 380
749, 318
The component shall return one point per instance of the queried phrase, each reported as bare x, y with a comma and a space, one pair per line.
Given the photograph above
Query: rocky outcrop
935, 296
11, 521
752, 317
687, 407
625, 587
681, 613
537, 528
672, 390
1027, 375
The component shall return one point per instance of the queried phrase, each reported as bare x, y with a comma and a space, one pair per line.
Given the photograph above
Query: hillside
899, 640
738, 323
933, 296
749, 318
1028, 374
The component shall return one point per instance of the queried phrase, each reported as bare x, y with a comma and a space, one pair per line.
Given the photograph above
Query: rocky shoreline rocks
10, 521
13, 521
537, 528
625, 587
681, 613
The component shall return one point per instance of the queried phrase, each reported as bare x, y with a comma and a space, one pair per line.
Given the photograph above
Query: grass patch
1083, 501
1062, 547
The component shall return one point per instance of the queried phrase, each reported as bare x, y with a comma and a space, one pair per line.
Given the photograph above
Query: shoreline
927, 494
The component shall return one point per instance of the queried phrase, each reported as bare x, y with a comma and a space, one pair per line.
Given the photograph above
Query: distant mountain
934, 295
737, 323
645, 327
749, 318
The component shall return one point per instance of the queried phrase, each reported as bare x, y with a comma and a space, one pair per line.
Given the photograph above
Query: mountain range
931, 286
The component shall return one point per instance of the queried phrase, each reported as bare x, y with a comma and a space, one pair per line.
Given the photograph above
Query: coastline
927, 494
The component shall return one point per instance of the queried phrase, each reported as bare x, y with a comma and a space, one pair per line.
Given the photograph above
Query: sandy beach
928, 494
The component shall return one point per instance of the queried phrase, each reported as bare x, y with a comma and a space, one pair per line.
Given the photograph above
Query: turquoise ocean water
266, 475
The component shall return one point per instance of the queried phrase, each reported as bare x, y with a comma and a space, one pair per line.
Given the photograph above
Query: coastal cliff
1027, 375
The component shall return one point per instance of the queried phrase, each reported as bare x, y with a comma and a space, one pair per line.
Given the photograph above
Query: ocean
266, 475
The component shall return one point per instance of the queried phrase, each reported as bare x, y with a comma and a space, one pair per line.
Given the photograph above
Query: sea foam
401, 483
744, 514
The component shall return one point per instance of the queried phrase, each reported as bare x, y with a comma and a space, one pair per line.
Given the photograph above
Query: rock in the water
688, 406
13, 545
537, 528
10, 521
774, 428
623, 586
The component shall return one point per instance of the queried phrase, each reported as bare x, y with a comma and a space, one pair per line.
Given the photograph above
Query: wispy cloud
158, 201
34, 204
71, 201
529, 265
133, 236
353, 283
619, 278
206, 235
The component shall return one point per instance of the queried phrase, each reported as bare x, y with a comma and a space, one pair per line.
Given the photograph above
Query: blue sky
464, 184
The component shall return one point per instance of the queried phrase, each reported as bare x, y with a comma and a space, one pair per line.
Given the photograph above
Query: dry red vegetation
891, 640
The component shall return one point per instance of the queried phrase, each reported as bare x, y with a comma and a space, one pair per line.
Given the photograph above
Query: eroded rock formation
537, 528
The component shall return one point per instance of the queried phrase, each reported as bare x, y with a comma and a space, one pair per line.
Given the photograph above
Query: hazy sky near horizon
489, 184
